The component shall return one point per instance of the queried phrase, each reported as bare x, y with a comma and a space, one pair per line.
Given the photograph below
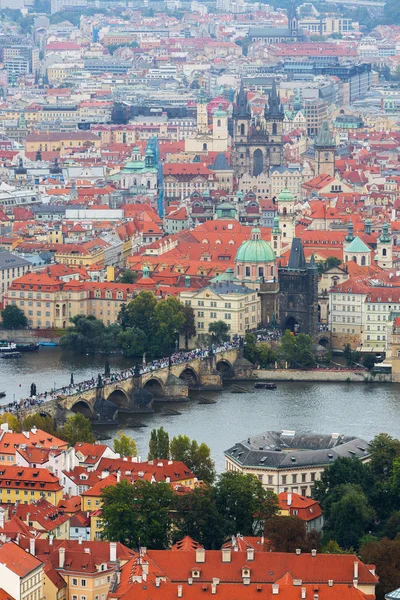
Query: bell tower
384, 248
325, 148
274, 117
241, 133
293, 20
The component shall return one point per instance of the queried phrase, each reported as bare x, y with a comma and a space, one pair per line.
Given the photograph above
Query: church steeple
274, 111
242, 107
293, 20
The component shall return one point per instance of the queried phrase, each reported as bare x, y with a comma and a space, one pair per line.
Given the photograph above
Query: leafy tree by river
13, 317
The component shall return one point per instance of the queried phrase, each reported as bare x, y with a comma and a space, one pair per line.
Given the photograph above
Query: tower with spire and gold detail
384, 256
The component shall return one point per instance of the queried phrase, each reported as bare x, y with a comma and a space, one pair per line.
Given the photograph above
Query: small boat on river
265, 385
10, 354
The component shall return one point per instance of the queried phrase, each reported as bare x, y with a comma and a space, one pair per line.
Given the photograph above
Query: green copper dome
219, 112
285, 196
255, 250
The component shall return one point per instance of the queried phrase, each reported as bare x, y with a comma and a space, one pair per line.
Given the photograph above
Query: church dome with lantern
255, 259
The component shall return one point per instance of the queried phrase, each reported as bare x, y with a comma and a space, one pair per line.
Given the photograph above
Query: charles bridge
135, 394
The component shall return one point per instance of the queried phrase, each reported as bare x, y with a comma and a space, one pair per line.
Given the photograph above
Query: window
284, 479
74, 582
294, 478
83, 582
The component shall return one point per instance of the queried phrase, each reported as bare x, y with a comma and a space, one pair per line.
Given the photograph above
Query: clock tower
325, 147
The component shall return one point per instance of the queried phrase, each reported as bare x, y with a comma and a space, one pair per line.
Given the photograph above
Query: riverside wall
321, 375
30, 336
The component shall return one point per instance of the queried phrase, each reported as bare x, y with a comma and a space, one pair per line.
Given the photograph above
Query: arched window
204, 146
363, 261
148, 184
355, 259
384, 253
242, 129
219, 123
274, 129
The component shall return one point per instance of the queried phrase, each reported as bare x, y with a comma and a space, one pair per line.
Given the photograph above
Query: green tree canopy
188, 329
124, 445
13, 317
219, 332
296, 350
127, 276
158, 444
118, 114
44, 422
137, 514
77, 428
11, 420
199, 518
88, 335
238, 498
196, 457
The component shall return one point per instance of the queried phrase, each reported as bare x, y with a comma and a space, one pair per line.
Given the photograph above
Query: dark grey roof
220, 163
269, 32
286, 449
11, 261
297, 259
229, 287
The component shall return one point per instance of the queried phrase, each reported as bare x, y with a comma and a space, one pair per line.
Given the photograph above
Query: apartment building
52, 142
11, 267
315, 111
21, 573
237, 305
25, 484
290, 461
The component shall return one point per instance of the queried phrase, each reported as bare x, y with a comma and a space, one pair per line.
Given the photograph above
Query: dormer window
245, 572
195, 573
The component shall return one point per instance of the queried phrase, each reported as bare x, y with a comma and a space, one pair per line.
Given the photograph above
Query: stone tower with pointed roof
325, 147
298, 292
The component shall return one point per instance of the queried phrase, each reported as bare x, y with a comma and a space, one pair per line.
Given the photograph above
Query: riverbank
31, 336
320, 375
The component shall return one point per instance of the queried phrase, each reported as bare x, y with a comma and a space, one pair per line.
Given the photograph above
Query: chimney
250, 554
80, 540
61, 557
158, 581
275, 588
213, 588
190, 580
289, 498
51, 538
313, 552
179, 591
298, 550
118, 476
145, 568
330, 582
355, 572
32, 546
226, 555
2, 517
200, 555
113, 551
303, 593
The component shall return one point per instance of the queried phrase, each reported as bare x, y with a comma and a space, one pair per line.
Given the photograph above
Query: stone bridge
135, 394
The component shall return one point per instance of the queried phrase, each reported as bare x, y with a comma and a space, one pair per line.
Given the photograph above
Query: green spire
202, 98
275, 229
350, 232
385, 237
324, 137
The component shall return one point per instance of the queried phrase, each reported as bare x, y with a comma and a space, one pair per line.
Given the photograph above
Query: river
352, 409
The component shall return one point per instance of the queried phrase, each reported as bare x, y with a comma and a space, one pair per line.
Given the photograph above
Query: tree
198, 517
392, 526
118, 114
11, 420
139, 312
44, 422
332, 547
13, 317
369, 361
296, 350
385, 555
342, 471
169, 320
196, 457
127, 276
89, 335
124, 445
288, 533
133, 342
77, 428
250, 347
158, 444
219, 332
350, 356
188, 329
384, 449
265, 355
238, 498
349, 516
137, 514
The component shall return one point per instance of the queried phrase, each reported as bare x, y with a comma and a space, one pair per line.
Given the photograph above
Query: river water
349, 408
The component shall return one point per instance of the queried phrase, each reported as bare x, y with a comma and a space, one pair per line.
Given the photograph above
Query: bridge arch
224, 368
119, 397
82, 406
324, 341
190, 376
154, 386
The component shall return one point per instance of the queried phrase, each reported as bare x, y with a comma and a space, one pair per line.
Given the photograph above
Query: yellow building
237, 305
53, 142
25, 485
51, 303
204, 140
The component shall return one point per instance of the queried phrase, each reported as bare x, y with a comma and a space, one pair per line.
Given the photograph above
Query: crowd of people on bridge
160, 363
